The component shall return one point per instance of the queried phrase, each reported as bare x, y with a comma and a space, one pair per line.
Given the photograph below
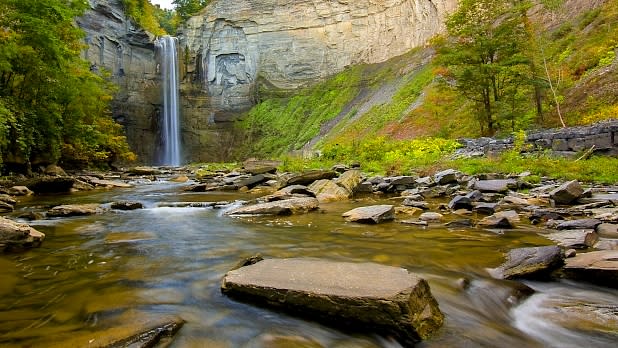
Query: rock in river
16, 235
529, 262
361, 296
374, 214
284, 207
599, 267
74, 210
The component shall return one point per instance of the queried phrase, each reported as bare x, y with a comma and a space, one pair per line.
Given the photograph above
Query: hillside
411, 96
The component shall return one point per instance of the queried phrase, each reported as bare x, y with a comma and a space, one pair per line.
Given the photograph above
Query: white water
170, 125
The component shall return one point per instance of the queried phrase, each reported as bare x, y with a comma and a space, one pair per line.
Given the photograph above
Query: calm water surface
94, 272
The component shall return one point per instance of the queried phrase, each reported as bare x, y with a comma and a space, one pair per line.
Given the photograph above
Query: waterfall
170, 121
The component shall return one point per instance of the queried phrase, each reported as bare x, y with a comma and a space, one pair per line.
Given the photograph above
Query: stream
96, 270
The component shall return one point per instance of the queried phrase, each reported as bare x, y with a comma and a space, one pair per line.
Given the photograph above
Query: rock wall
601, 137
234, 47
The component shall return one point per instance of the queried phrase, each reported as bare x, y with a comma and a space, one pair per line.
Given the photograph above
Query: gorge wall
233, 50
238, 48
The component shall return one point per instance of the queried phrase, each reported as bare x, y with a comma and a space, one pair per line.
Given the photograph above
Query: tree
484, 56
187, 8
48, 95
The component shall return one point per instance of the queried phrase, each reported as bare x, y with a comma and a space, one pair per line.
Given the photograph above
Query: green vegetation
52, 107
152, 18
187, 8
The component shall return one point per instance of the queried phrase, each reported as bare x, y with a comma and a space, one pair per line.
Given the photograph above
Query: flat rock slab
74, 210
285, 207
15, 235
497, 185
599, 267
579, 224
362, 296
374, 214
532, 262
578, 239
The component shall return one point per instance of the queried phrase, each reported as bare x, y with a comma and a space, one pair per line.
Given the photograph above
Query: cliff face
282, 44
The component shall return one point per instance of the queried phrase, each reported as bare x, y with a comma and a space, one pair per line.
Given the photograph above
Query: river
96, 270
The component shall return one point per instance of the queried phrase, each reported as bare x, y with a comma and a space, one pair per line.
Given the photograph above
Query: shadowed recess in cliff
169, 152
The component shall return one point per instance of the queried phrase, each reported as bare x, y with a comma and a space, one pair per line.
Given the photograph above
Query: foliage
49, 99
152, 18
485, 59
187, 8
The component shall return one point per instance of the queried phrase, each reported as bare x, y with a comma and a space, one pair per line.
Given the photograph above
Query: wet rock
567, 192
14, 235
407, 211
54, 170
607, 230
460, 202
503, 219
606, 244
364, 187
501, 293
280, 341
20, 191
31, 215
588, 224
475, 195
143, 170
249, 181
74, 210
425, 181
485, 208
284, 207
599, 267
363, 296
256, 167
462, 223
414, 222
109, 183
498, 185
127, 205
531, 262
431, 217
350, 180
309, 177
374, 214
50, 184
328, 191
578, 239
79, 185
446, 176
544, 215
179, 178
294, 190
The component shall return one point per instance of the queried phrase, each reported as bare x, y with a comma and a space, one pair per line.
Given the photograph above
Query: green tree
485, 57
47, 93
187, 8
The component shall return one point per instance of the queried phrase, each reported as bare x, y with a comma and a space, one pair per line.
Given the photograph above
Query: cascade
170, 120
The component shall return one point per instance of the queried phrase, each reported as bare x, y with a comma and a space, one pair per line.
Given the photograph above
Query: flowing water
97, 270
170, 122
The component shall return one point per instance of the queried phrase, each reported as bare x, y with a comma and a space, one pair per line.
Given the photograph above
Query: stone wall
601, 137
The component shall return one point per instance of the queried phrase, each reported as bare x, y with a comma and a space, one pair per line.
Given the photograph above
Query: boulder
350, 180
580, 224
446, 177
412, 202
502, 219
607, 230
485, 208
497, 185
79, 185
431, 217
54, 170
364, 296
109, 183
567, 192
6, 207
284, 207
578, 239
50, 184
256, 167
14, 235
531, 262
249, 181
74, 210
599, 267
143, 170
179, 178
20, 191
127, 205
460, 202
308, 177
374, 214
328, 191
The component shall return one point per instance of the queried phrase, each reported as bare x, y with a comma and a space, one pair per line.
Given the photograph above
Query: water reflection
95, 271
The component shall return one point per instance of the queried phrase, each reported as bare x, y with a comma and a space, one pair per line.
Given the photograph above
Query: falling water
170, 125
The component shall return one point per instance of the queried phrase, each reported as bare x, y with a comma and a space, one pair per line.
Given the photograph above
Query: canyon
233, 51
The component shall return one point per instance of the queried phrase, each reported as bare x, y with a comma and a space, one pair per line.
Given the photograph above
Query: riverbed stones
328, 191
374, 214
362, 296
350, 180
460, 202
495, 185
533, 262
577, 239
74, 210
579, 224
127, 205
256, 167
308, 177
20, 191
599, 267
567, 192
446, 177
14, 235
607, 230
284, 207
502, 219
431, 217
